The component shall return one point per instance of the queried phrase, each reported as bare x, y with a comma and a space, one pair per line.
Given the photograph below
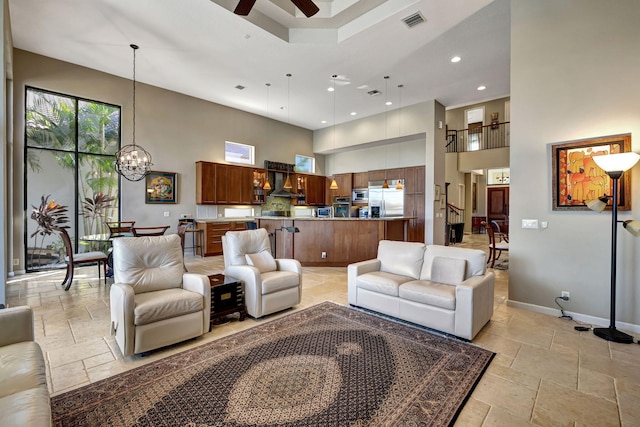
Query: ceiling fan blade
244, 7
307, 7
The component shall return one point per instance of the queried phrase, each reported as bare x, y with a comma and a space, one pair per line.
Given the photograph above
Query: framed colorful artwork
576, 177
161, 187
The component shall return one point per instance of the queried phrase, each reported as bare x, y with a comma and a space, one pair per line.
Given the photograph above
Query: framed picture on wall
576, 178
161, 187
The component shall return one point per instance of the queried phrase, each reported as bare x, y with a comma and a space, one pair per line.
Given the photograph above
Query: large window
69, 156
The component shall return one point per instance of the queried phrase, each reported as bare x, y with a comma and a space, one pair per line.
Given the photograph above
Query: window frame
252, 153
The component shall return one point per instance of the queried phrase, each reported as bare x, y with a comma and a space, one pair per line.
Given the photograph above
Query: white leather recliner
153, 302
270, 284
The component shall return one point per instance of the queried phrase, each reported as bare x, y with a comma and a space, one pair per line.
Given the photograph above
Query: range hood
278, 179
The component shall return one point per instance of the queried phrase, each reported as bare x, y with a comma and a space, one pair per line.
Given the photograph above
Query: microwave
360, 195
326, 212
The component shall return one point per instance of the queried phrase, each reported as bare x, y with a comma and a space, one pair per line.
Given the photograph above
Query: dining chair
149, 231
73, 259
494, 246
499, 234
120, 228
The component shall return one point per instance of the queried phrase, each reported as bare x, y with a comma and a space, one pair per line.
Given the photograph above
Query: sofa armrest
200, 284
122, 304
16, 325
252, 285
286, 264
356, 269
474, 304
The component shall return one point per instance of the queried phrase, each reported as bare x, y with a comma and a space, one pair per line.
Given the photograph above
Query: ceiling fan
307, 7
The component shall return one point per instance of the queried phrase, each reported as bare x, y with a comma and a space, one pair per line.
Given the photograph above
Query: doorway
498, 207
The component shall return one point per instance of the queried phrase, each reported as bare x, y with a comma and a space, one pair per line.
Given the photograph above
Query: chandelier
132, 161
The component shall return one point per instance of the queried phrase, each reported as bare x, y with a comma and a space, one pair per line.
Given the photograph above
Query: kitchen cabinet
414, 178
378, 175
344, 184
414, 206
360, 180
397, 173
213, 232
414, 202
315, 190
205, 183
223, 184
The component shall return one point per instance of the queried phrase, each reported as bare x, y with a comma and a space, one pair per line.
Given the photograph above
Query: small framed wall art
161, 187
577, 179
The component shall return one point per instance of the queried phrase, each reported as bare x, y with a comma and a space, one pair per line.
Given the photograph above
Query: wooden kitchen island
342, 241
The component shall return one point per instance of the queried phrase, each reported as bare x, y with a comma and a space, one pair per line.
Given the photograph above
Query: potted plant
49, 216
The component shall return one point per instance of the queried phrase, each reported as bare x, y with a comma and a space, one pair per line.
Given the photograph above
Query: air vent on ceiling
374, 92
414, 19
240, 87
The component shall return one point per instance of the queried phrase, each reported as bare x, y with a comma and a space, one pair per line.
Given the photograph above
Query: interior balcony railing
495, 135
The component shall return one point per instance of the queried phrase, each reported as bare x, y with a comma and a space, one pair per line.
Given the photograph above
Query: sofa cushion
21, 367
448, 270
29, 407
275, 281
402, 258
381, 282
429, 293
155, 306
476, 259
263, 261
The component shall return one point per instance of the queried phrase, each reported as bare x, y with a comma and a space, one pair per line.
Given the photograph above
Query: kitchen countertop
291, 218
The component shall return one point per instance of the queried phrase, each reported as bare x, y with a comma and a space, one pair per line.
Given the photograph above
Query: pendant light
132, 161
287, 184
385, 184
399, 185
266, 185
334, 184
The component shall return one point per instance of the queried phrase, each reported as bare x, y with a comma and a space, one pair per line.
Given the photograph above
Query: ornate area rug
327, 365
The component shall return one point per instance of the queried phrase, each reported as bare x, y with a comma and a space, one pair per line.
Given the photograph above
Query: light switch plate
530, 223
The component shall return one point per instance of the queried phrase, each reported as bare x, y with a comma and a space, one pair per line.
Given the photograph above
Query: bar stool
188, 226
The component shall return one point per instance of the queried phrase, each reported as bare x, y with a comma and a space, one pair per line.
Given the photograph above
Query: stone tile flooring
545, 373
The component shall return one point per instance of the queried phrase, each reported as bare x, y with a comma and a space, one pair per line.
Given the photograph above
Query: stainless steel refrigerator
388, 201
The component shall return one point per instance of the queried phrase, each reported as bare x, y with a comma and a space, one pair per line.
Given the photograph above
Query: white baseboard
583, 318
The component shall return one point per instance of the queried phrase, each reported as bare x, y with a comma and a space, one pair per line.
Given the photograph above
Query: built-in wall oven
360, 196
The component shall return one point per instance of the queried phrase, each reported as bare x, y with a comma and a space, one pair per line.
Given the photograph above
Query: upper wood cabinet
397, 173
414, 178
360, 180
344, 184
315, 190
378, 175
205, 183
218, 183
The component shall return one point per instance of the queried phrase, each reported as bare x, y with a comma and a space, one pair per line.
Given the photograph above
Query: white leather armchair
153, 302
270, 285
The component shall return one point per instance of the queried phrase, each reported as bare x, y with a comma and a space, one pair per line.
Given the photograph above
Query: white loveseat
24, 396
441, 287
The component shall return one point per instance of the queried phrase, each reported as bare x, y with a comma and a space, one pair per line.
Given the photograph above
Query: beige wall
584, 56
176, 129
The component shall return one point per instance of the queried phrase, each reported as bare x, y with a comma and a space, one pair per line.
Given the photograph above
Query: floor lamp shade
615, 165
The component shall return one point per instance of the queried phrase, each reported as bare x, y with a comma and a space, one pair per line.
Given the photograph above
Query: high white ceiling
200, 48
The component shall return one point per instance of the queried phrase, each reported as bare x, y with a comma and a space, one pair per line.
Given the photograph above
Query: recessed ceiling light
363, 87
353, 113
323, 122
482, 87
330, 89
455, 59
388, 103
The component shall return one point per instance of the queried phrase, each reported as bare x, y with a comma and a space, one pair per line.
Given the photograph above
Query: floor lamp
615, 165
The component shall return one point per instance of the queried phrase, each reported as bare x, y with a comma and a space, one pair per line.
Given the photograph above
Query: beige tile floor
545, 373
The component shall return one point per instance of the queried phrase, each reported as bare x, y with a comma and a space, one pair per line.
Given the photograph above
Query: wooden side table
227, 297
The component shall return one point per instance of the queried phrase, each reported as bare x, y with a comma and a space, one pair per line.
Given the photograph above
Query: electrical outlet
16, 261
565, 295
324, 255
167, 213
